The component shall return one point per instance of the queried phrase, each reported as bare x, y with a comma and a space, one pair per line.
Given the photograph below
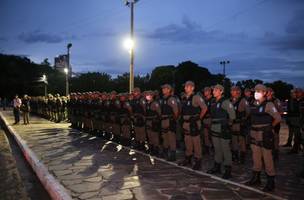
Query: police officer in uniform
169, 115
193, 110
264, 117
222, 115
152, 119
207, 96
241, 108
294, 120
125, 119
138, 106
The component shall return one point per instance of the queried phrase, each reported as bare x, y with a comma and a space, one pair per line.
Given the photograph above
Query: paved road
90, 168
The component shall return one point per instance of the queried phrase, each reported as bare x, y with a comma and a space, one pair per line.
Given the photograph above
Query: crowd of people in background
199, 123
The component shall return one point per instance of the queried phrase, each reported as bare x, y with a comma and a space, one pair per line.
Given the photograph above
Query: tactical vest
149, 111
259, 116
208, 104
165, 108
123, 110
217, 112
136, 106
188, 108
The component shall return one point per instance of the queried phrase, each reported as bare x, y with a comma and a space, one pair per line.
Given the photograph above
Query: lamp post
44, 79
66, 71
130, 3
224, 63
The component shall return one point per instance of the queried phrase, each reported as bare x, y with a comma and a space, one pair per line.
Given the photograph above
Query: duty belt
191, 118
262, 128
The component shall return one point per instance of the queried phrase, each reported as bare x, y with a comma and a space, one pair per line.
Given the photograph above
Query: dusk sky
263, 39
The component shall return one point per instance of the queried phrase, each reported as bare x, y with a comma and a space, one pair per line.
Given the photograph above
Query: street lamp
224, 63
44, 80
66, 71
130, 3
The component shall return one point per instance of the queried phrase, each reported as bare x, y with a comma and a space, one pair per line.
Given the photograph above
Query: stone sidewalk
91, 168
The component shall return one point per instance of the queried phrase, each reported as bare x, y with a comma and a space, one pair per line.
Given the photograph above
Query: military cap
260, 87
113, 93
166, 86
149, 92
207, 88
136, 89
235, 88
218, 86
247, 90
189, 83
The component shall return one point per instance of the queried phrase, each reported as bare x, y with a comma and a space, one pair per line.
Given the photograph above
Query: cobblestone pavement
91, 168
11, 186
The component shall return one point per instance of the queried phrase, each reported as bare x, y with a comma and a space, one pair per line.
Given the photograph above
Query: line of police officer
150, 122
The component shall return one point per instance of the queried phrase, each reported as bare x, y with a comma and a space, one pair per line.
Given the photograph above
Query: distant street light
130, 43
44, 80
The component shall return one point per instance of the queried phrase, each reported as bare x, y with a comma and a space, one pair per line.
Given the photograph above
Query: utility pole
68, 70
131, 3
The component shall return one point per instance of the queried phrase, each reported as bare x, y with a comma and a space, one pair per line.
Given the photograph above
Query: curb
52, 186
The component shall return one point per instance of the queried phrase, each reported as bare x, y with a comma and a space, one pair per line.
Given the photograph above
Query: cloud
293, 39
3, 38
190, 32
38, 36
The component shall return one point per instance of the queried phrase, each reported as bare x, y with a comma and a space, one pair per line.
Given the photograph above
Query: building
61, 63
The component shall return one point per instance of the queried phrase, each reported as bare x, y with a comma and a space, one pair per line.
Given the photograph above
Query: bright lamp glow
43, 77
129, 44
66, 70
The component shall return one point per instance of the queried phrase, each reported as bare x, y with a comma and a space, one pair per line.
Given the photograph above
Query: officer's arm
173, 103
201, 103
271, 109
227, 105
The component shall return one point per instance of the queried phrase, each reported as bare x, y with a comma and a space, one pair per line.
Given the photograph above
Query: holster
267, 135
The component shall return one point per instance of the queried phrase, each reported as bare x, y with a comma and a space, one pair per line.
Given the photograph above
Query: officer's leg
269, 168
218, 157
256, 158
196, 140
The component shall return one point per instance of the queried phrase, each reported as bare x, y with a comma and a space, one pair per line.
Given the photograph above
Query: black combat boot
227, 173
255, 179
197, 164
164, 153
172, 156
270, 184
186, 161
242, 157
216, 169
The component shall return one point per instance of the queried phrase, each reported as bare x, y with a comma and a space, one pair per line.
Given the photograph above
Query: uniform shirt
277, 104
271, 110
243, 105
227, 105
155, 106
198, 101
172, 102
17, 102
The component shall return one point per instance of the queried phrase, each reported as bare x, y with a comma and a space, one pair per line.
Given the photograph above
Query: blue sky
263, 39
